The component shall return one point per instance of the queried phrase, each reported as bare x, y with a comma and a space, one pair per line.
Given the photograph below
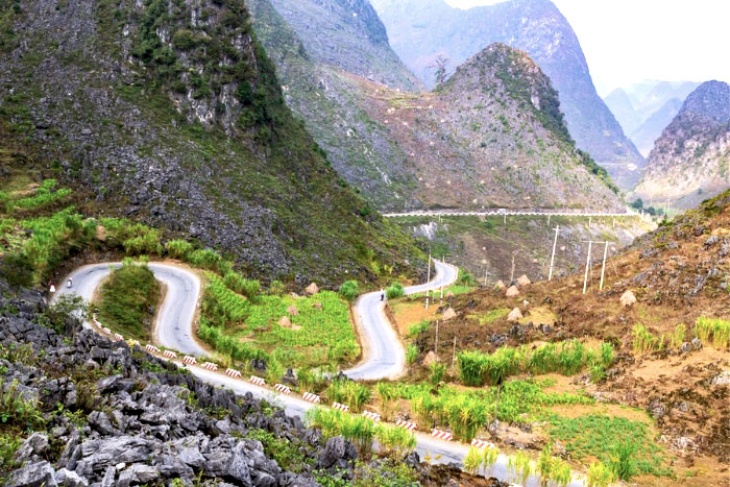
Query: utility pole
486, 275
603, 267
552, 258
429, 277
588, 264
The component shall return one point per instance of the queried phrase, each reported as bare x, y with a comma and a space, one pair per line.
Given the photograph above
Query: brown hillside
678, 273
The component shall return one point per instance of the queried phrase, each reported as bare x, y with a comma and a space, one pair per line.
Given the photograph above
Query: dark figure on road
382, 297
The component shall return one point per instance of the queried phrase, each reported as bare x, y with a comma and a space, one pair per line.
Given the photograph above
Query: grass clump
713, 330
127, 299
644, 341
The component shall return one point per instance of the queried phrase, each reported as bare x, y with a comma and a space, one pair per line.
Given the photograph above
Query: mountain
422, 30
650, 129
645, 109
323, 51
171, 113
492, 136
691, 159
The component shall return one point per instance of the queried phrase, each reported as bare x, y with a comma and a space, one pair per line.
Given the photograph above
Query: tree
440, 67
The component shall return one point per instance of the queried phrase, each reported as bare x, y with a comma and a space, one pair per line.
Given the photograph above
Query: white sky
627, 41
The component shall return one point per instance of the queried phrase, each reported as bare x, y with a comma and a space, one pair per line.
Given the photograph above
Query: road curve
384, 356
178, 308
174, 324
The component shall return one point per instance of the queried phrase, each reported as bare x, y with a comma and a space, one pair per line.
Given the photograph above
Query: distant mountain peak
691, 160
711, 99
419, 30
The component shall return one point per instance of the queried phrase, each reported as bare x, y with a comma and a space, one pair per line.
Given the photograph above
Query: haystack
449, 314
515, 315
513, 292
285, 322
500, 285
628, 299
312, 289
523, 281
292, 310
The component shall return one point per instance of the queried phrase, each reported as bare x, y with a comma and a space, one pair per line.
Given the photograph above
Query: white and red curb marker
341, 407
313, 398
257, 380
482, 444
374, 416
117, 337
442, 435
105, 330
169, 354
188, 360
233, 373
406, 424
151, 348
282, 388
209, 366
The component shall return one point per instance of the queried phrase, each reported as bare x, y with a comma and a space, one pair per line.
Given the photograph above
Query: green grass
126, 300
604, 438
321, 331
568, 358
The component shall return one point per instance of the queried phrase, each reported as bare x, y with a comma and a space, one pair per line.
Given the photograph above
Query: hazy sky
627, 41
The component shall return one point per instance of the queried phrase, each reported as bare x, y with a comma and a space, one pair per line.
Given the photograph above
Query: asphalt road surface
174, 324
383, 350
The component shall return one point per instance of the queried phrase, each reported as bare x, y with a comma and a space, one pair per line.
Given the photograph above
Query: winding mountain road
174, 325
384, 357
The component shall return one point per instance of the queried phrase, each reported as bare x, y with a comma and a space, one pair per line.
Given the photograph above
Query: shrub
178, 249
395, 291
349, 290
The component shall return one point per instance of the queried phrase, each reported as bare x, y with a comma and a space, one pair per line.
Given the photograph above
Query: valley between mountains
274, 181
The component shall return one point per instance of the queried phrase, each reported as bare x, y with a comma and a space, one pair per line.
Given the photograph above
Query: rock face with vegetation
493, 136
691, 160
422, 30
171, 113
324, 52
